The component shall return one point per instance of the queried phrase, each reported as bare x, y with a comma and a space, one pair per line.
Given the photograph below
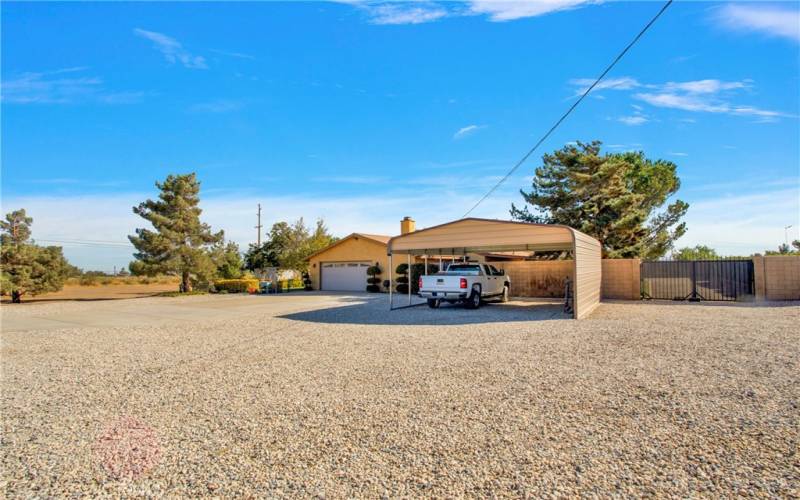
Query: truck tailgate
442, 283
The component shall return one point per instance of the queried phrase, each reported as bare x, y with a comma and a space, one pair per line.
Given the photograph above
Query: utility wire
98, 243
574, 105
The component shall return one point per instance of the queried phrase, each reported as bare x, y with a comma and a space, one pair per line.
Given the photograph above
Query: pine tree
28, 269
614, 198
180, 243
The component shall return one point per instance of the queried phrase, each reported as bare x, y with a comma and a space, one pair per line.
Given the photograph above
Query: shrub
373, 280
236, 285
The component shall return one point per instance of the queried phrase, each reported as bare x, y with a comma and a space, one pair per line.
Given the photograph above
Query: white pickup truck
469, 282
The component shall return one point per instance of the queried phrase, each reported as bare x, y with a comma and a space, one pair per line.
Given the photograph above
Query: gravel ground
339, 398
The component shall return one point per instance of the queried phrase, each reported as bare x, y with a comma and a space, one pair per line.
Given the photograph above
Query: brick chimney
407, 225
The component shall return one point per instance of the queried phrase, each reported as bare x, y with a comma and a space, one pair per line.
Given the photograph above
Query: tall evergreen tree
180, 243
613, 197
26, 267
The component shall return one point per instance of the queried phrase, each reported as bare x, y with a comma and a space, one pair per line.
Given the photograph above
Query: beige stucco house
343, 265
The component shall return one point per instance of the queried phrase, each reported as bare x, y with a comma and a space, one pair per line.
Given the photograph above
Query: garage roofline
371, 237
476, 235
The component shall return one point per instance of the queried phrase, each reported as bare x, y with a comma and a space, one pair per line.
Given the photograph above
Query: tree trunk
186, 283
16, 297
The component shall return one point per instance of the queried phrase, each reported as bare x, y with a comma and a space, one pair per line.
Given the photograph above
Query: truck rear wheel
434, 303
474, 300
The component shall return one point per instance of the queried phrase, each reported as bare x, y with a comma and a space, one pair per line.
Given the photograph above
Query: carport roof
482, 235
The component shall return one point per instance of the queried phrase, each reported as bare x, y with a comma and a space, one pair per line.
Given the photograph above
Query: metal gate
697, 279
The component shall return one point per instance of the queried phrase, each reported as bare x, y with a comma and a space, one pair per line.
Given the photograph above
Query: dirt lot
101, 292
314, 394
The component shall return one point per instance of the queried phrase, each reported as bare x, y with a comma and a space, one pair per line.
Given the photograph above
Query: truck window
464, 269
495, 271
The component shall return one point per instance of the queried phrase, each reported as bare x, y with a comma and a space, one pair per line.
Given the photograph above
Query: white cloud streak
467, 131
418, 12
405, 14
771, 20
504, 10
53, 87
633, 120
708, 96
172, 50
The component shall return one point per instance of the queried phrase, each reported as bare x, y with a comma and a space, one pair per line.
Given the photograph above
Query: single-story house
343, 265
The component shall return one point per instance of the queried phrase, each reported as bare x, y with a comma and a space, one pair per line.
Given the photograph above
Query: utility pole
258, 227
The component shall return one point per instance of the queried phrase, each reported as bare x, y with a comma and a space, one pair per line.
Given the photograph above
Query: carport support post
391, 275
409, 277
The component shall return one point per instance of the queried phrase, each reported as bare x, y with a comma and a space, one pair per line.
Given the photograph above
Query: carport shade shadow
371, 311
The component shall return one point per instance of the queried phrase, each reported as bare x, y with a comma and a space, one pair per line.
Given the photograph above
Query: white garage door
345, 276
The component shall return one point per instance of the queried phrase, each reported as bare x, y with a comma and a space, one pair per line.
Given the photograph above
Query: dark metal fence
697, 280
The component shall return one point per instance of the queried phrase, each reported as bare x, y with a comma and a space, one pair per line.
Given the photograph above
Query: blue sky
363, 112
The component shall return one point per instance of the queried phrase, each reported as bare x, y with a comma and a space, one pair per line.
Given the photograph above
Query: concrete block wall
777, 277
537, 278
546, 278
621, 279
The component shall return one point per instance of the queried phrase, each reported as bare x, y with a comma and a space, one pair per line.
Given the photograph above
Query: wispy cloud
708, 86
220, 106
62, 86
172, 50
466, 131
633, 120
505, 10
677, 153
707, 95
400, 13
418, 12
697, 103
237, 55
621, 83
771, 20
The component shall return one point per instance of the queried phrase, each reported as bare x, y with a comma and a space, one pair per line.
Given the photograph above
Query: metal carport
488, 235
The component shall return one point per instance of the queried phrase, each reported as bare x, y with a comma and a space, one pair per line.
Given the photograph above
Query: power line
574, 105
99, 243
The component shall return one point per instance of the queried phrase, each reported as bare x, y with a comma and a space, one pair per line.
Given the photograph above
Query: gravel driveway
331, 395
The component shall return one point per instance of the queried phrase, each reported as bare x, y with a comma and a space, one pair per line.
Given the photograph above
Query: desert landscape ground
331, 395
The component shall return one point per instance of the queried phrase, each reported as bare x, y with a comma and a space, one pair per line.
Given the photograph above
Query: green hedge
236, 285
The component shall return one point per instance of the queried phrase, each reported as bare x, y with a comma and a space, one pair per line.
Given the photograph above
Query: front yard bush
402, 280
374, 281
236, 285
